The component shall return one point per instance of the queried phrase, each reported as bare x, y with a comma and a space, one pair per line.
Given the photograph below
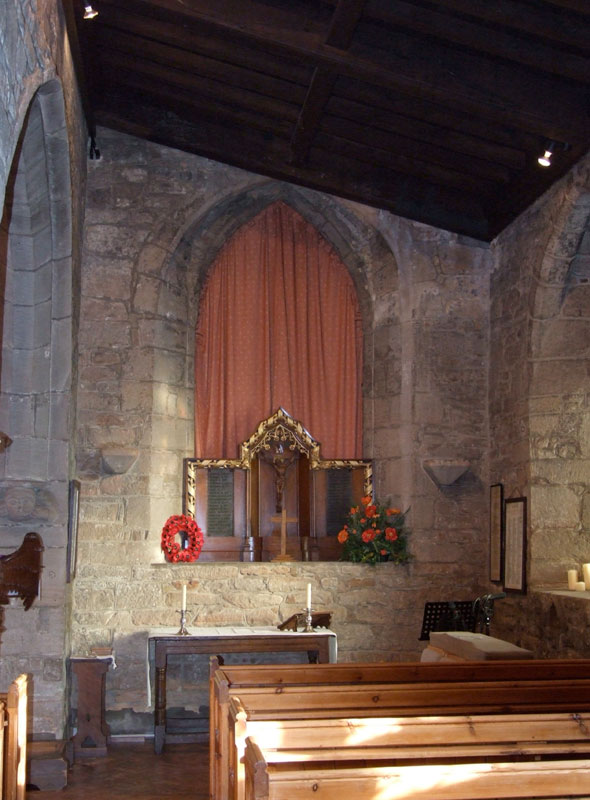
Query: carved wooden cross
283, 519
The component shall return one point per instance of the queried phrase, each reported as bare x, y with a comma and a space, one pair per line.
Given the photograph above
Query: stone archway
35, 379
182, 265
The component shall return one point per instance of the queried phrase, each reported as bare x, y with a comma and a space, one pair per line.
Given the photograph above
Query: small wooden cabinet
92, 734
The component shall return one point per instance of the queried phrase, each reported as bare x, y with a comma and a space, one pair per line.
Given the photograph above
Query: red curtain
279, 325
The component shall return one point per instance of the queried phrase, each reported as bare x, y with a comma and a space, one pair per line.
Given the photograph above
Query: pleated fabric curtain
278, 325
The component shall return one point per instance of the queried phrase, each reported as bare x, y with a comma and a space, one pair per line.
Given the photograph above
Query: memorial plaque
220, 502
339, 495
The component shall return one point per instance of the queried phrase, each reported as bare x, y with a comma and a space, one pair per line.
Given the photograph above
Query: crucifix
283, 519
281, 459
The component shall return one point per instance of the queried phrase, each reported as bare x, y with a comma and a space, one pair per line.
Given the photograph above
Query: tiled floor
134, 771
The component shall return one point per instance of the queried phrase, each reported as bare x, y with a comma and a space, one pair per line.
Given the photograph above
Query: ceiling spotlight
89, 12
545, 159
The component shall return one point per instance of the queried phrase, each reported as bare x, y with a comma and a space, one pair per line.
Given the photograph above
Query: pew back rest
458, 780
361, 690
14, 736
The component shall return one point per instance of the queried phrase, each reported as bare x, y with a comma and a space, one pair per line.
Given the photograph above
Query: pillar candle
586, 573
572, 578
308, 596
580, 586
184, 596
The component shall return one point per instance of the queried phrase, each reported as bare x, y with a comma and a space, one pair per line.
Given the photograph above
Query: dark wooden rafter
180, 62
546, 23
579, 6
346, 16
471, 35
250, 150
432, 109
195, 40
470, 87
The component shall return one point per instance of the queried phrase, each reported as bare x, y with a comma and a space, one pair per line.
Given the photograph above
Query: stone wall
540, 406
456, 369
42, 168
155, 220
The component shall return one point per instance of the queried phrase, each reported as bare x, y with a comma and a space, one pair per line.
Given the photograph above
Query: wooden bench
447, 772
347, 690
13, 739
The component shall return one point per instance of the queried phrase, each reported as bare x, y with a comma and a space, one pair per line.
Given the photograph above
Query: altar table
320, 646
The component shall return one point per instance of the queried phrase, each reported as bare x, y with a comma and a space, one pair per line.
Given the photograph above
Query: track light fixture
545, 159
89, 12
93, 151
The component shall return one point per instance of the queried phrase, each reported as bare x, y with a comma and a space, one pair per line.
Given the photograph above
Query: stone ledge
564, 593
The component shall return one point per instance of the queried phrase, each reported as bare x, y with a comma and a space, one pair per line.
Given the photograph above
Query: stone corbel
445, 471
118, 460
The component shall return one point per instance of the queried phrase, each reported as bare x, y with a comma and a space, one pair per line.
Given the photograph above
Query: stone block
28, 371
108, 278
163, 334
20, 412
53, 581
151, 259
29, 326
47, 765
554, 372
27, 459
169, 368
114, 241
140, 365
102, 510
140, 512
104, 309
146, 295
554, 507
113, 436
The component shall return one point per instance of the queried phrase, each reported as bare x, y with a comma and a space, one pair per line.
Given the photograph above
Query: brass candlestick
308, 626
183, 631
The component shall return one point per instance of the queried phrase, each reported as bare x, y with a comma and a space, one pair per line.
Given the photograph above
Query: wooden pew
14, 739
445, 777
408, 737
361, 690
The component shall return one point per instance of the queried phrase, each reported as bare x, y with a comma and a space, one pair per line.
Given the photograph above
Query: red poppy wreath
174, 551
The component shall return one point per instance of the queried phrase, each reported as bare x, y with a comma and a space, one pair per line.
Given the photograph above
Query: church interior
270, 265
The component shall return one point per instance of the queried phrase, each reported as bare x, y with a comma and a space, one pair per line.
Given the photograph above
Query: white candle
184, 596
572, 578
586, 573
308, 596
580, 586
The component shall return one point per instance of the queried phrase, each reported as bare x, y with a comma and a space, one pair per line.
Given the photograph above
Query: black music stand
447, 616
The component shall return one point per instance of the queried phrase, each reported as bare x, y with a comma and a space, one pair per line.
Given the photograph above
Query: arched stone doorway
35, 387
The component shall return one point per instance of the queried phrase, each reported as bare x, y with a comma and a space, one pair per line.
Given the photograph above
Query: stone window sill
565, 593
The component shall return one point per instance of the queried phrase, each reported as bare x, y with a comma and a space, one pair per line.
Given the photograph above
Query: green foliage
374, 533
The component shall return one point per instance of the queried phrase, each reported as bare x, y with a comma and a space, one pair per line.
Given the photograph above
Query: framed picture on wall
515, 527
496, 532
74, 512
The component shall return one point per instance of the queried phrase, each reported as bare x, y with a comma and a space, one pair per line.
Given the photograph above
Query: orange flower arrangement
374, 533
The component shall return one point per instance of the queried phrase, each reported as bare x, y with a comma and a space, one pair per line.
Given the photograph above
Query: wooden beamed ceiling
435, 110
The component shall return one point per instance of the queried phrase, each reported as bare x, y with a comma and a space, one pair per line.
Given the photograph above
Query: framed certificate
496, 532
515, 521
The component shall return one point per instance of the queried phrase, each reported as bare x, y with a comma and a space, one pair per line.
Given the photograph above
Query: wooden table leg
160, 710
